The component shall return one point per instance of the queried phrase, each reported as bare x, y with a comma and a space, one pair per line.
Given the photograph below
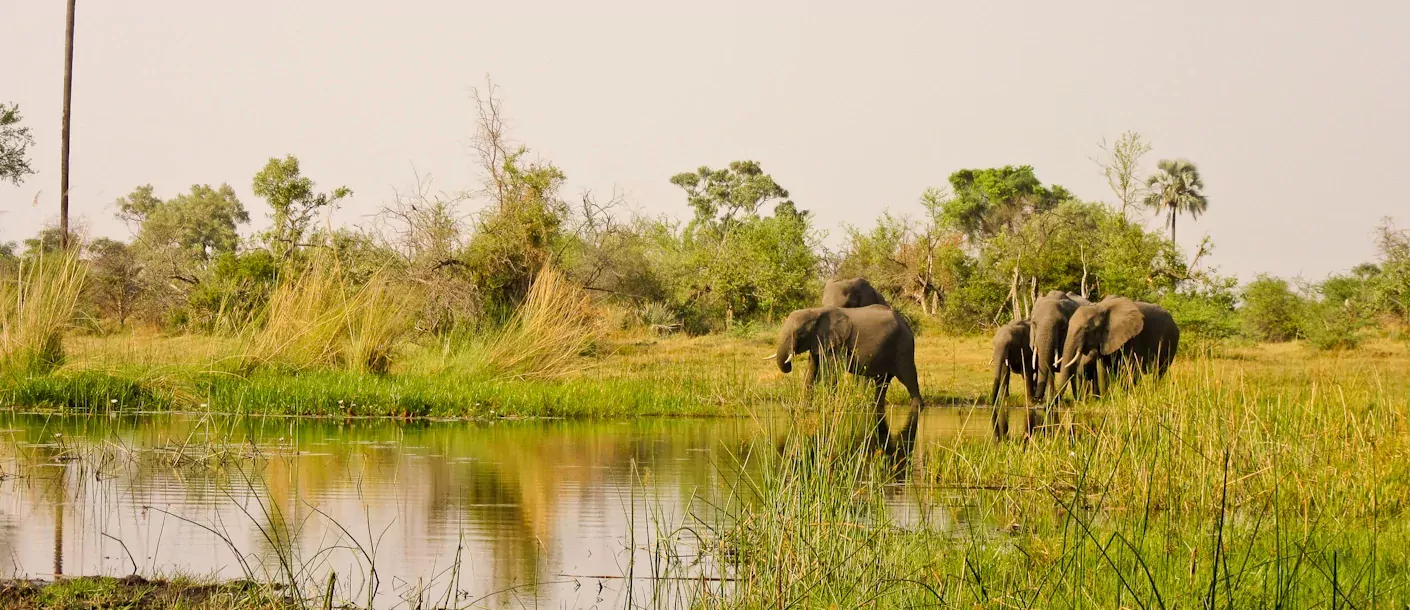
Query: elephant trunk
1044, 346
1000, 373
784, 356
1066, 368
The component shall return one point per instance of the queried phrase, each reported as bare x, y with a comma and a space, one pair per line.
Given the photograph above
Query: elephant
1122, 336
1012, 354
872, 341
856, 292
1048, 328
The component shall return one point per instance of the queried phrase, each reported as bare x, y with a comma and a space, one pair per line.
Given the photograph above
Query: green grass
135, 593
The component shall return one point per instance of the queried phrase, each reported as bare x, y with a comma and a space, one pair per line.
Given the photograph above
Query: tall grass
36, 307
548, 333
316, 319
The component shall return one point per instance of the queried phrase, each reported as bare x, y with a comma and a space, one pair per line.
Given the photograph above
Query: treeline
969, 256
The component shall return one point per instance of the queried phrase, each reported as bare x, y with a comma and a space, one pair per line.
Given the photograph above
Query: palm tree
1176, 189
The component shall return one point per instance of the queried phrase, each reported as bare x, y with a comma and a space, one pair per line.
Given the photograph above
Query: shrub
1271, 310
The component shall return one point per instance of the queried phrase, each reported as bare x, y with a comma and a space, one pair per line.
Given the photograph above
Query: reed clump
316, 319
547, 335
37, 307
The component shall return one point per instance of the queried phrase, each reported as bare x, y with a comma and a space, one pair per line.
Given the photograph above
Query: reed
547, 335
36, 308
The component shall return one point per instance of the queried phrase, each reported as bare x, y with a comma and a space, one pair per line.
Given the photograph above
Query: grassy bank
622, 375
135, 593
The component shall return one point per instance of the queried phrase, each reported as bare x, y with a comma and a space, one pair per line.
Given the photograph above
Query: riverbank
137, 593
625, 375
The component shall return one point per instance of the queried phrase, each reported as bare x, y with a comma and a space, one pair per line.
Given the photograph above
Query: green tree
990, 201
1389, 281
181, 235
1122, 168
294, 202
114, 278
732, 256
1176, 189
15, 141
1270, 309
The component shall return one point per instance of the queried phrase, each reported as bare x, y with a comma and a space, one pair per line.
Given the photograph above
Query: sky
1294, 111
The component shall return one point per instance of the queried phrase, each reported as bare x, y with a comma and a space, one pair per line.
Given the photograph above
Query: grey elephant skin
856, 292
872, 341
1048, 328
1122, 336
1012, 354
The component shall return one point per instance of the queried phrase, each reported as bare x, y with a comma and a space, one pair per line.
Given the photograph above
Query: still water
511, 513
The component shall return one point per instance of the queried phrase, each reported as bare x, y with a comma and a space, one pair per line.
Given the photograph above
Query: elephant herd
1068, 344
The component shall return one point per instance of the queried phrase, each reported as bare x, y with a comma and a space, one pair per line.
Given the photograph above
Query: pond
516, 513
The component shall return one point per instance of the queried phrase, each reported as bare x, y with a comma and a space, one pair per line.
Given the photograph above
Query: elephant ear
1124, 321
835, 328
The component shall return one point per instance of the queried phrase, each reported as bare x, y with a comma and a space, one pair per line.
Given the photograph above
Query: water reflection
537, 511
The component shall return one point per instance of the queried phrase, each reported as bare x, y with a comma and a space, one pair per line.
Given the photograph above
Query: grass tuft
548, 333
36, 308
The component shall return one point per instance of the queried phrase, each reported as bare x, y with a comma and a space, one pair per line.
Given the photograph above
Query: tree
177, 239
990, 201
735, 258
15, 141
114, 277
1270, 309
1122, 168
295, 203
720, 196
1176, 189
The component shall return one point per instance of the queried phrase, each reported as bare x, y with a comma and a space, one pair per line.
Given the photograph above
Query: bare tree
491, 142
1121, 164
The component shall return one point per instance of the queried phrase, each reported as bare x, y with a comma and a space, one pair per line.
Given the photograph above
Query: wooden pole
64, 149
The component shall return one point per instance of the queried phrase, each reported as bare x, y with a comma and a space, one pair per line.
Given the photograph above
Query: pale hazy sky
1295, 111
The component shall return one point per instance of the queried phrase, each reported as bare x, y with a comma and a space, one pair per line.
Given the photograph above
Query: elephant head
1049, 329
811, 330
1097, 331
856, 292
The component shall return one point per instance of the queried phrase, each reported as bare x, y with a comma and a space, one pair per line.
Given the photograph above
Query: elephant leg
879, 402
1000, 403
911, 380
811, 381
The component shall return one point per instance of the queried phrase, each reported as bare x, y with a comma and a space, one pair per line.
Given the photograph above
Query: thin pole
64, 150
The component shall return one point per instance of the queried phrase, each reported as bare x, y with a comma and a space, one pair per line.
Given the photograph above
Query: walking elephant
1124, 337
1012, 354
856, 292
873, 342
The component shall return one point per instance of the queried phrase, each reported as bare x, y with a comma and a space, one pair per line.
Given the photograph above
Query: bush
1271, 311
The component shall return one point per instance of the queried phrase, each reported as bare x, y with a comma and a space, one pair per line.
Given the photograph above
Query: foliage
1206, 312
553, 326
990, 201
1176, 189
317, 318
294, 202
232, 293
115, 279
519, 233
15, 141
37, 306
1270, 309
734, 263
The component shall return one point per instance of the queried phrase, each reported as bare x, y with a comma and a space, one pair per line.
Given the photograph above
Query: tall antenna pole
64, 151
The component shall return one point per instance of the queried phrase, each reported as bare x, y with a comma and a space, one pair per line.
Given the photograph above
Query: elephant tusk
770, 357
1073, 360
790, 358
1035, 361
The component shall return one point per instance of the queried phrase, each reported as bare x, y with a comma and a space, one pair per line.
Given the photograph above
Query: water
540, 513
